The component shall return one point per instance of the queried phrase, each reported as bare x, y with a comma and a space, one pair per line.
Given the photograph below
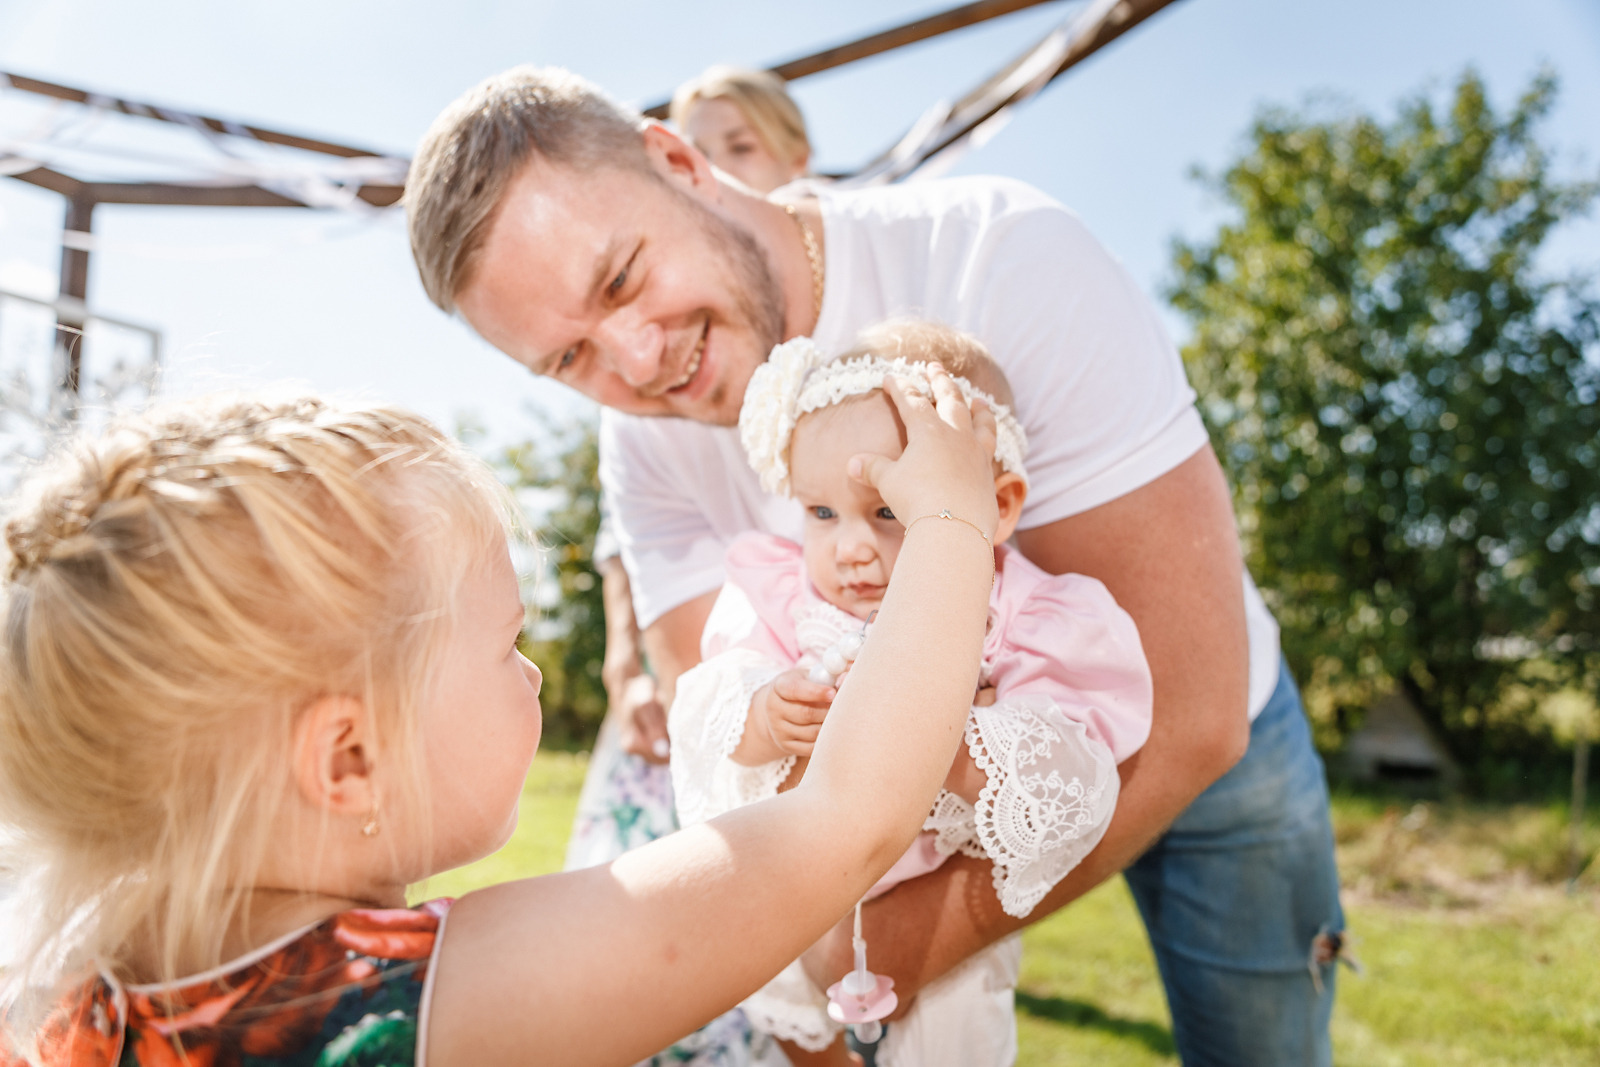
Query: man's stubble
758, 298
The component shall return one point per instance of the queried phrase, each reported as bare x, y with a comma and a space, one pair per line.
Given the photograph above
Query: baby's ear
1010, 492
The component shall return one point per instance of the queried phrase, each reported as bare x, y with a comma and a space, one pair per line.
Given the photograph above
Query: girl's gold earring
370, 827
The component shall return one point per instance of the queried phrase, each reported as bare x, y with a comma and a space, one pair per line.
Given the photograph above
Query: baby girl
1064, 694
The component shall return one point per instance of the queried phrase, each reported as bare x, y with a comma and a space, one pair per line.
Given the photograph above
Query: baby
1065, 692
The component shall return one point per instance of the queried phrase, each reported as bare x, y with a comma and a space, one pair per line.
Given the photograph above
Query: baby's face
851, 536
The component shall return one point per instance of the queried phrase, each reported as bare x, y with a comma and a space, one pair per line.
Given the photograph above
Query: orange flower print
389, 935
367, 963
87, 1034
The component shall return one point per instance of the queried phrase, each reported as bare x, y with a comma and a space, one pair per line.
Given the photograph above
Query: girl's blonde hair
176, 592
761, 96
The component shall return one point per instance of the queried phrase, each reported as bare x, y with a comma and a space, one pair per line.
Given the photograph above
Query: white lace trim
791, 1008
954, 828
798, 377
705, 725
1049, 797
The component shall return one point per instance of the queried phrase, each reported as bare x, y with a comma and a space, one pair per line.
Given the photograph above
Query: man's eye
618, 282
885, 513
822, 512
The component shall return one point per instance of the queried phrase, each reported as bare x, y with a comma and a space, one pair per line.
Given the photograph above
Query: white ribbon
798, 378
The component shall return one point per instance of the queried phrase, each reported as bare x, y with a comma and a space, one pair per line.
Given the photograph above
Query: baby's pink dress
1073, 697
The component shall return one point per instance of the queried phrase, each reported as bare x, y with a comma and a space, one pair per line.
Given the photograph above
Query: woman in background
746, 124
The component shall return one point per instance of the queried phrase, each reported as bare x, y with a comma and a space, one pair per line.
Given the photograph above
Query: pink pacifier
861, 998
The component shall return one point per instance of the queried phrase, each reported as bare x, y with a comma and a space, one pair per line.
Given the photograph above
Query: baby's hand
790, 710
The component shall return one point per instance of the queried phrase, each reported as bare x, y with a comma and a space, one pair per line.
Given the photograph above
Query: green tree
569, 641
1407, 409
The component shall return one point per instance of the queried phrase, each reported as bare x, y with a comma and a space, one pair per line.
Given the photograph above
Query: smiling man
603, 251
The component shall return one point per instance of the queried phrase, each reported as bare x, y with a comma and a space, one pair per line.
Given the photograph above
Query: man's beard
755, 291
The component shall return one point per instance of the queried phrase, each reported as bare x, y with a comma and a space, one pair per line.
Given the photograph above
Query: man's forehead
549, 240
553, 208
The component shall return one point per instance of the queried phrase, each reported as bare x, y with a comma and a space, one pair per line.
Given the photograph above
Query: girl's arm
682, 929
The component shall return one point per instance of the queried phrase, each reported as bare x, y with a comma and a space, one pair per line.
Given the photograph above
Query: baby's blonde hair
761, 97
176, 591
921, 341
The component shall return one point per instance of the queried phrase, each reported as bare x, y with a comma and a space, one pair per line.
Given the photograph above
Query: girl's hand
948, 462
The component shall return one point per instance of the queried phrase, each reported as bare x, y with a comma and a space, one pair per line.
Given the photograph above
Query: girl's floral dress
347, 992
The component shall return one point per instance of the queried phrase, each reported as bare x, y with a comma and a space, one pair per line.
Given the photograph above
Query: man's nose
634, 345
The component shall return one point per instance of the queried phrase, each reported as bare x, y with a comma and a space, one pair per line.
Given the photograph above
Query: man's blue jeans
1234, 894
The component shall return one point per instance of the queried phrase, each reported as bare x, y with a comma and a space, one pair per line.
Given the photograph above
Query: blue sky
245, 296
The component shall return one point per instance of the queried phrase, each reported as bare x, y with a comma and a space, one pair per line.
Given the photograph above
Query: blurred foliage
1408, 409
569, 640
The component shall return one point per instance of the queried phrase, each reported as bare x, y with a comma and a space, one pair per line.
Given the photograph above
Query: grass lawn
1473, 956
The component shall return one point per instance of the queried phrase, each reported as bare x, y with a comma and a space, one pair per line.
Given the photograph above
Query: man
605, 252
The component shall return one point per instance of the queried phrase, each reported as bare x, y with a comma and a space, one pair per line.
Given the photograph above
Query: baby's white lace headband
798, 379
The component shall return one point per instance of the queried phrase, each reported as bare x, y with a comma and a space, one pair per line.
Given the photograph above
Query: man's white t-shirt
1099, 387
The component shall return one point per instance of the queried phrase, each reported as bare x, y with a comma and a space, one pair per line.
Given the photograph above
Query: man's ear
678, 161
333, 756
1010, 492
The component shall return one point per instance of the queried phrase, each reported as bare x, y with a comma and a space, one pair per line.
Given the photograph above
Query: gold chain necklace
814, 257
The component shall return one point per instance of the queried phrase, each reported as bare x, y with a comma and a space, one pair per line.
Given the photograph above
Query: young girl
1066, 690
260, 673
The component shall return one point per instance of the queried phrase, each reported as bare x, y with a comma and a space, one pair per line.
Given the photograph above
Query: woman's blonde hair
761, 96
177, 590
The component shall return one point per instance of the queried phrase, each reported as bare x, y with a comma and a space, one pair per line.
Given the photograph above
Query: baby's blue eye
619, 281
822, 512
885, 513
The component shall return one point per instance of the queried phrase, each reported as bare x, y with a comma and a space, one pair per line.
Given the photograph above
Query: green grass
1089, 991
1474, 956
1510, 984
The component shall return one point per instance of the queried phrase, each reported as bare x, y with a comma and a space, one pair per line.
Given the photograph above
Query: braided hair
175, 591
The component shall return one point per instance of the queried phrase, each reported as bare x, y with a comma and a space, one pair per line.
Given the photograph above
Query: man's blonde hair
761, 97
485, 138
175, 593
